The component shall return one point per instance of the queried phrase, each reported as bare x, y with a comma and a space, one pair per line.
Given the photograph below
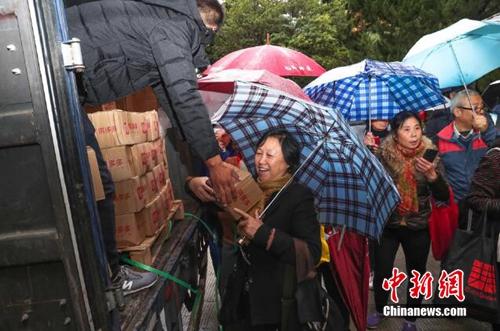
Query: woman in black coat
485, 195
288, 230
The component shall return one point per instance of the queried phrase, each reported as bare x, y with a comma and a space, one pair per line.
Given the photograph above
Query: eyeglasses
476, 108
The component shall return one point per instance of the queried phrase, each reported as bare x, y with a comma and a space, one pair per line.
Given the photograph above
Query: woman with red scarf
417, 181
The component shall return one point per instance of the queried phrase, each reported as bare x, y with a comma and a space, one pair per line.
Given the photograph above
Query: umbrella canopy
278, 60
350, 185
352, 271
491, 94
458, 54
375, 90
223, 81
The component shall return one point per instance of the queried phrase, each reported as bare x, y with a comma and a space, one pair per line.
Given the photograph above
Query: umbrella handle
341, 237
461, 76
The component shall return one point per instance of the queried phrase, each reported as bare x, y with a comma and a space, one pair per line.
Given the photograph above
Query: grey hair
457, 100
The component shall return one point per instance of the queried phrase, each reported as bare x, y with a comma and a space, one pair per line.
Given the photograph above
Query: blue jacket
460, 156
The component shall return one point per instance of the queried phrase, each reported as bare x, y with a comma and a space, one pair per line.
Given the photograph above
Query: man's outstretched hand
223, 177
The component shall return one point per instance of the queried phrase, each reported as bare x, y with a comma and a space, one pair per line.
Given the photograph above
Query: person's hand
428, 169
248, 225
223, 177
479, 122
370, 142
200, 188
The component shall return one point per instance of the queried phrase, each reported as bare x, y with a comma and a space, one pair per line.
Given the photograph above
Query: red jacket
460, 157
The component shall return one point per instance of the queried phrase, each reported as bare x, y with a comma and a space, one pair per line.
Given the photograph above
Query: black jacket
485, 195
128, 45
438, 120
292, 215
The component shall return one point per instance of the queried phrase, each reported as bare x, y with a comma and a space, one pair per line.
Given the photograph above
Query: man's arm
172, 50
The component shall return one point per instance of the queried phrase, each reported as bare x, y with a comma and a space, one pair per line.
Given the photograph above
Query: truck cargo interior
54, 272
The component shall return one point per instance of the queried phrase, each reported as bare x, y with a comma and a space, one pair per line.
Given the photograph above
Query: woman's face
380, 125
409, 135
269, 160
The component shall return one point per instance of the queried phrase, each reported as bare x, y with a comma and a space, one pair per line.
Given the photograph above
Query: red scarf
407, 183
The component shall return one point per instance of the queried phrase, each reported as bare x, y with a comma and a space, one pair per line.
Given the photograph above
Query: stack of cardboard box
135, 154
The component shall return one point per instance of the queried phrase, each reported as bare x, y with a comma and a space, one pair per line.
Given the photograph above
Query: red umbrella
223, 81
351, 271
278, 60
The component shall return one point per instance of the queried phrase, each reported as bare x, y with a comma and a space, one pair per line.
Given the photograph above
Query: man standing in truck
128, 45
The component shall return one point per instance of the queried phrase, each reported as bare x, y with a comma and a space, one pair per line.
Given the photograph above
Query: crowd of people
465, 163
128, 45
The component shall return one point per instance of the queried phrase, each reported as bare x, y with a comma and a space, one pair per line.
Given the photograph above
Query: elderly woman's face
269, 160
410, 133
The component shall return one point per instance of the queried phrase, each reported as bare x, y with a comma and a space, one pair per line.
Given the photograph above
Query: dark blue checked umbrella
350, 185
375, 90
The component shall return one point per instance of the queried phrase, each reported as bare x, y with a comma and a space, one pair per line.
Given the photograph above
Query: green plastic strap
170, 225
217, 276
204, 225
160, 273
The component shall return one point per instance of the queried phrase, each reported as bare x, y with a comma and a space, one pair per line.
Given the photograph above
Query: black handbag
232, 311
475, 255
307, 304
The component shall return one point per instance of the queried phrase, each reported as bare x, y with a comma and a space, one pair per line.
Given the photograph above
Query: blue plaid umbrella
375, 90
350, 185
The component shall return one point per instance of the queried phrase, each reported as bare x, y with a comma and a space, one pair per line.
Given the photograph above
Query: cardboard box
164, 152
156, 152
130, 195
142, 156
153, 189
170, 193
179, 212
248, 194
117, 127
96, 176
129, 230
147, 191
148, 250
151, 217
121, 163
142, 122
105, 128
160, 175
152, 125
166, 202
165, 205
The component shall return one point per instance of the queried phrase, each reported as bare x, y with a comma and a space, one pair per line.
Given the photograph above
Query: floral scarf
407, 183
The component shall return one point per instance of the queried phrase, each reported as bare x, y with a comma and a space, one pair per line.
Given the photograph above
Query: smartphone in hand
430, 155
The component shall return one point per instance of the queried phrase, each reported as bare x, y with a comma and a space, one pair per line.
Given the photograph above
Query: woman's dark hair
289, 146
398, 120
